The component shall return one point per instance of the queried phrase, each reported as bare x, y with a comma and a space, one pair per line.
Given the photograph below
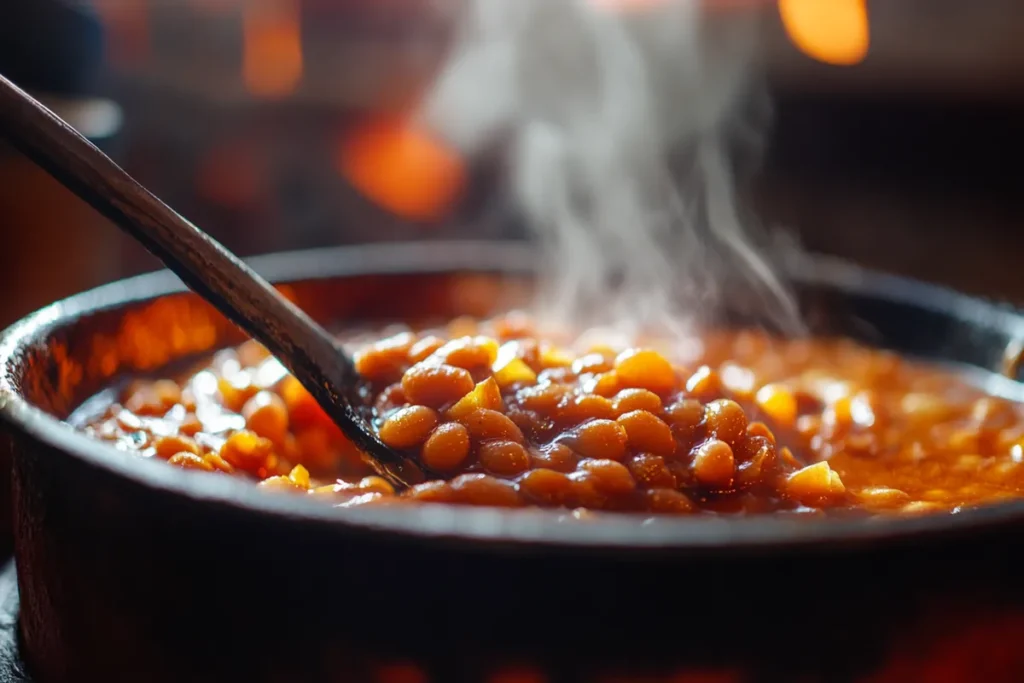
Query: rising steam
619, 126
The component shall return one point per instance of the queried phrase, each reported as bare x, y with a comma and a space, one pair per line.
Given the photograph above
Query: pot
131, 570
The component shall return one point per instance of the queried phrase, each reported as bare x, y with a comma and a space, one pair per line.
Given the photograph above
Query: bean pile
738, 423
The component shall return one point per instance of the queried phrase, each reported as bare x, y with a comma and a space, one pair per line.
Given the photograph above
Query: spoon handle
209, 269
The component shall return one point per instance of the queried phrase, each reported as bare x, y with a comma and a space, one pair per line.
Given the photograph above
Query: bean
546, 487
686, 418
669, 501
606, 384
628, 400
586, 407
435, 385
600, 439
504, 457
760, 429
468, 352
266, 414
408, 427
645, 369
646, 432
490, 425
542, 399
386, 360
556, 456
814, 484
651, 471
713, 465
725, 421
704, 383
424, 348
609, 476
480, 489
168, 446
190, 461
446, 448
247, 451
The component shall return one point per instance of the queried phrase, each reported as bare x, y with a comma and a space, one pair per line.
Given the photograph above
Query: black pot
136, 571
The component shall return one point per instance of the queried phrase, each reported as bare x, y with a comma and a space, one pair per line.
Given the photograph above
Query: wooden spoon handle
209, 269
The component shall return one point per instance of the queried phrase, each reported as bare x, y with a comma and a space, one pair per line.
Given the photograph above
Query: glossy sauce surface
733, 423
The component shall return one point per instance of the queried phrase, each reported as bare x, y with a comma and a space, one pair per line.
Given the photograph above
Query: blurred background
276, 124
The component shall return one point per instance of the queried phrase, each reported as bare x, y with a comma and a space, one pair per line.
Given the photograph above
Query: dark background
909, 162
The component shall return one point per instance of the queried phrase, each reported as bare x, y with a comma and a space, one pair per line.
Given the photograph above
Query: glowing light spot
401, 167
830, 31
272, 48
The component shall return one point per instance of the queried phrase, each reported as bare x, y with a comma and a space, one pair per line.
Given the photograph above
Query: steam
619, 126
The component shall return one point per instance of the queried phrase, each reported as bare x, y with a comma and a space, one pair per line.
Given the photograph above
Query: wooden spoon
209, 269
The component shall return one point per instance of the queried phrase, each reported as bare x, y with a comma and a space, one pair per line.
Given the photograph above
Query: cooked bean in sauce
746, 424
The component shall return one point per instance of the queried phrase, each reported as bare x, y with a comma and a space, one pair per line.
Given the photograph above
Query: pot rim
485, 528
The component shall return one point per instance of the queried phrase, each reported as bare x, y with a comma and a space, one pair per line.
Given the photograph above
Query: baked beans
746, 424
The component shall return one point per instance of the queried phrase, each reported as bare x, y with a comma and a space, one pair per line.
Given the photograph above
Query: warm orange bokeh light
401, 167
831, 31
272, 47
